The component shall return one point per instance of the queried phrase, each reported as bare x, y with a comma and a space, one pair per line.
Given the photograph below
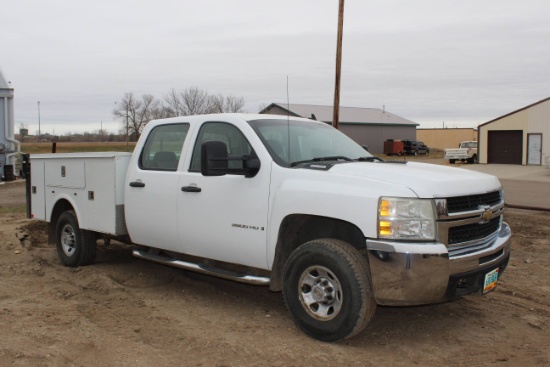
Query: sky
435, 62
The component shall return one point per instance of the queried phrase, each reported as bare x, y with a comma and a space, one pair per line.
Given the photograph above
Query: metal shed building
517, 137
366, 126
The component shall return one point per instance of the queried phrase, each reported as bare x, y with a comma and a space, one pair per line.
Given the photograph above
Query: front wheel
75, 246
327, 290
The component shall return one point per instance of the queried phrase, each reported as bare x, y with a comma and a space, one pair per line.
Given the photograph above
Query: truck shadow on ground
389, 326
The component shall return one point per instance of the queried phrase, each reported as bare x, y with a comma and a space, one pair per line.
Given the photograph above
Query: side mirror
251, 166
214, 158
215, 161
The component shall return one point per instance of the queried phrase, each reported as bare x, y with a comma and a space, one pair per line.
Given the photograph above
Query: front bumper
457, 156
422, 273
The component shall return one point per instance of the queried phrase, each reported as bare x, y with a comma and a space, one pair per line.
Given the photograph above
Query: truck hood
425, 180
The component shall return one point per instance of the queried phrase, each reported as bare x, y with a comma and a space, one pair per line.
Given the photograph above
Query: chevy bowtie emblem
487, 215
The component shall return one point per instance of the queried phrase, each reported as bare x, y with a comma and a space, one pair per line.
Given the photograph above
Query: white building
519, 137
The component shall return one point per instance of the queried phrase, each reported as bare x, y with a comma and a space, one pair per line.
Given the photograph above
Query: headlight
406, 219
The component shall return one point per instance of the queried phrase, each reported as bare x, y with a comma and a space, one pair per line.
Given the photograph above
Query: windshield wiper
369, 159
322, 159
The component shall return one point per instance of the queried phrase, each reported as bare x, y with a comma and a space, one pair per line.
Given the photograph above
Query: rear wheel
416, 153
327, 290
75, 246
451, 161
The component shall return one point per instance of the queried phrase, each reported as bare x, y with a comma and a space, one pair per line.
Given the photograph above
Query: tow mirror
214, 158
251, 166
215, 161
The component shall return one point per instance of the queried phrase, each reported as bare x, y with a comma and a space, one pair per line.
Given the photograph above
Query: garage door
505, 147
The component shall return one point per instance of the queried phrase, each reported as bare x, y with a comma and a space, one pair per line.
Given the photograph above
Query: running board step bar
216, 272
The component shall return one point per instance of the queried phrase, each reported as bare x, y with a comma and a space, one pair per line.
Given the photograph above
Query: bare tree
160, 111
234, 104
190, 101
217, 103
174, 105
196, 101
135, 114
221, 104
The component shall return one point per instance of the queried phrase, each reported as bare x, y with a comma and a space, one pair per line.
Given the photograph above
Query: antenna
288, 118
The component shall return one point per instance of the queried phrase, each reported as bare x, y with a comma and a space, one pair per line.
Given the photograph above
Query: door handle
137, 184
191, 189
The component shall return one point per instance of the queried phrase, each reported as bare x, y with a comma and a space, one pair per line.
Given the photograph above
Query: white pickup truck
284, 202
466, 152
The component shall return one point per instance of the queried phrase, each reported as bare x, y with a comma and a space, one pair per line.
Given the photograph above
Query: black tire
427, 152
473, 160
451, 161
327, 290
75, 246
416, 153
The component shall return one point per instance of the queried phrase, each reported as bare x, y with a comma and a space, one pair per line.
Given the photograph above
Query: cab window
162, 150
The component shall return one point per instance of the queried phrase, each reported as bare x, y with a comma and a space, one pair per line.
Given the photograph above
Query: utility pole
39, 121
127, 128
336, 115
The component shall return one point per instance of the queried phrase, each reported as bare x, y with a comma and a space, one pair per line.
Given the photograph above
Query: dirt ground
122, 311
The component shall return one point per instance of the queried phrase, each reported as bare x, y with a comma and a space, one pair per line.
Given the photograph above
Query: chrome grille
468, 224
472, 202
474, 231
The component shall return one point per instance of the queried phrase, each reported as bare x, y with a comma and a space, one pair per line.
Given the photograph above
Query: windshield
308, 140
469, 144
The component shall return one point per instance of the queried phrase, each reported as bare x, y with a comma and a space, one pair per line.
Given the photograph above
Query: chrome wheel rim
68, 240
320, 293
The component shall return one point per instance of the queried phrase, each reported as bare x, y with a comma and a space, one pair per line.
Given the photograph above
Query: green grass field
40, 148
13, 209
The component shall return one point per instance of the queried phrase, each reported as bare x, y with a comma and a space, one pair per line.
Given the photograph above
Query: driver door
224, 217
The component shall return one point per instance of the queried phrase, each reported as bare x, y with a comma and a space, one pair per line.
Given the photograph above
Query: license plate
491, 279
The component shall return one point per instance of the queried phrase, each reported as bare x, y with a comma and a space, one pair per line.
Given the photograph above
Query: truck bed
92, 182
